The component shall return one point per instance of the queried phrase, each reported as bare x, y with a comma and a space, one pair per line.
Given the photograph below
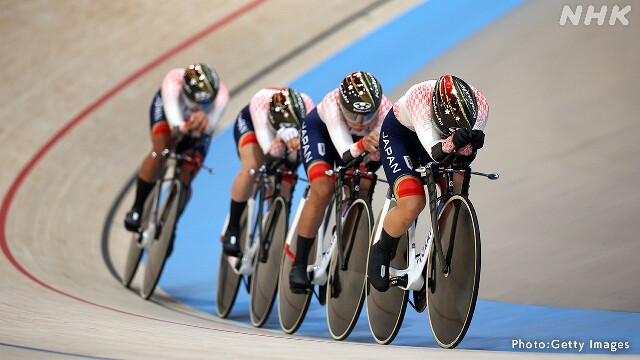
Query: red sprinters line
13, 189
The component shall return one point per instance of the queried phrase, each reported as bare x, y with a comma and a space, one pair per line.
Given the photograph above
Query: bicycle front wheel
292, 307
264, 279
346, 287
135, 250
386, 309
228, 280
451, 298
157, 251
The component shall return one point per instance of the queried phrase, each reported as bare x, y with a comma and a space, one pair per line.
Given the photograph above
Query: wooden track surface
559, 226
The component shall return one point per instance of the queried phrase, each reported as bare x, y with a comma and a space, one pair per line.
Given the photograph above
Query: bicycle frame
170, 172
319, 268
318, 271
244, 265
411, 278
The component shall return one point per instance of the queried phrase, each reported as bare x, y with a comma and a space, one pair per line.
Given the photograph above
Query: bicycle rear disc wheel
346, 288
451, 299
386, 310
135, 250
264, 279
157, 251
292, 308
228, 280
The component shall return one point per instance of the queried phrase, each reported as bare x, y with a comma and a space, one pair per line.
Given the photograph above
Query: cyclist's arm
329, 112
381, 114
308, 104
266, 136
219, 105
483, 110
170, 91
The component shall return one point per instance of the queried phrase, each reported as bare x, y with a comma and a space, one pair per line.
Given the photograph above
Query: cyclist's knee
322, 189
249, 164
162, 141
251, 157
410, 207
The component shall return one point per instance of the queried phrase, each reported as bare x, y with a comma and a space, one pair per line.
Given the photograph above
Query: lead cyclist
432, 119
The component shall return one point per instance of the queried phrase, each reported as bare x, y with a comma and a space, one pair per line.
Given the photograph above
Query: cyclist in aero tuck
432, 119
190, 101
266, 128
346, 123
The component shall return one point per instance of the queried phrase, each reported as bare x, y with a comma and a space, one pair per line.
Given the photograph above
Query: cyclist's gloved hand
477, 139
462, 137
287, 133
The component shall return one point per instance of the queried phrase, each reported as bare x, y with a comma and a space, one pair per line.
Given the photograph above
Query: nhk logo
616, 14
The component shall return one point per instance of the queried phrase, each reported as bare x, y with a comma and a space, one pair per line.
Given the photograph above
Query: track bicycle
263, 227
338, 259
444, 275
158, 221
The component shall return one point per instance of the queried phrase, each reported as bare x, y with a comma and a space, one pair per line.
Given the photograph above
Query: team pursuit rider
432, 119
265, 130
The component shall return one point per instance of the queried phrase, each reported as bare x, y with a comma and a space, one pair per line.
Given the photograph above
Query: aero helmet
453, 105
360, 93
200, 83
286, 109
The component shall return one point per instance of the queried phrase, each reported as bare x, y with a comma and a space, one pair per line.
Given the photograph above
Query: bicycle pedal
300, 291
420, 300
322, 295
399, 280
238, 263
143, 242
263, 255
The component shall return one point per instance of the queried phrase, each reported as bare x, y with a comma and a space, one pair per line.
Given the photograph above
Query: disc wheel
451, 298
292, 308
157, 250
135, 250
346, 288
266, 266
386, 310
228, 280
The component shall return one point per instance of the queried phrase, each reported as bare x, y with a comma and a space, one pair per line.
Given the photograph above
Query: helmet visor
356, 119
196, 106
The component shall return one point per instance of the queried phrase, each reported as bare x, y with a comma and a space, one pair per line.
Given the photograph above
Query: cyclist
428, 122
185, 109
346, 123
265, 130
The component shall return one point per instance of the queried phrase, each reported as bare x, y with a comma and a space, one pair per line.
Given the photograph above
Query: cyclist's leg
318, 153
401, 152
251, 157
150, 169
